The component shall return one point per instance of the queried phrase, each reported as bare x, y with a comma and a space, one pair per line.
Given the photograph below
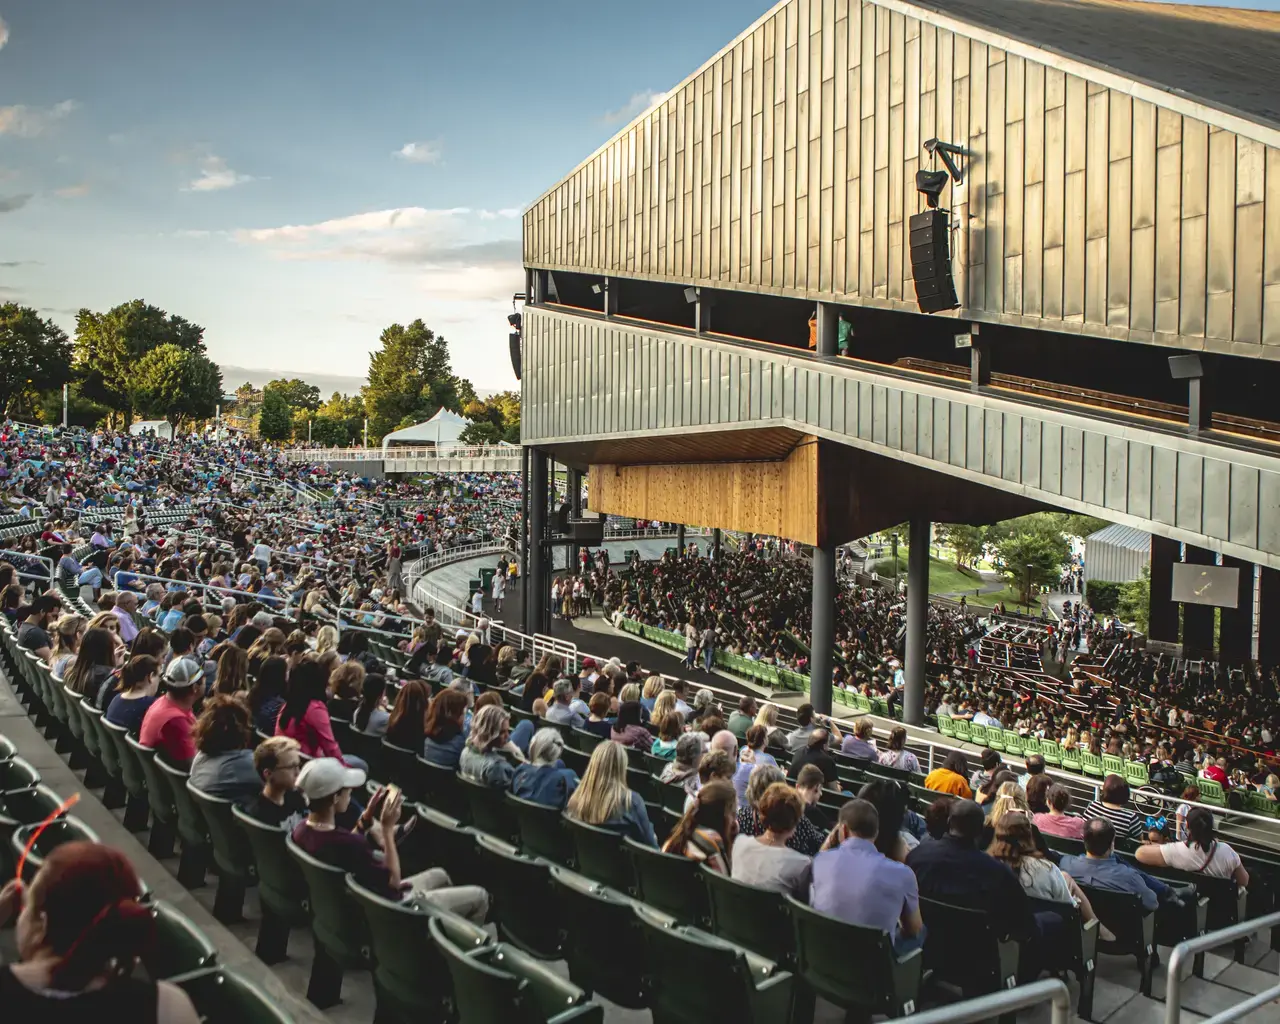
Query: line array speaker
514, 340
931, 261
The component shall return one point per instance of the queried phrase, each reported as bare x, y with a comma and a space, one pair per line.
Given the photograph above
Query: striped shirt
1127, 823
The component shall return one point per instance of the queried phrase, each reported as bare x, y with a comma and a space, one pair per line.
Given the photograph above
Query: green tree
35, 355
1135, 601
502, 410
968, 541
1034, 542
297, 393
411, 379
175, 384
483, 432
274, 422
109, 347
80, 411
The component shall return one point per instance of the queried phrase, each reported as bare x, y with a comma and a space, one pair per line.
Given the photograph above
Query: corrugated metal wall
1113, 562
787, 165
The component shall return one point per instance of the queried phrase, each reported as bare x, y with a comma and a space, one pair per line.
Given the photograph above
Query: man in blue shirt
1099, 867
857, 883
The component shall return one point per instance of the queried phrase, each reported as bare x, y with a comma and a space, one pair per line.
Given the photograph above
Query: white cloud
402, 218
509, 213
215, 175
28, 122
634, 107
420, 152
72, 191
4, 33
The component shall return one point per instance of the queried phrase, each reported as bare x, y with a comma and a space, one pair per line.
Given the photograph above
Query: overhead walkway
429, 459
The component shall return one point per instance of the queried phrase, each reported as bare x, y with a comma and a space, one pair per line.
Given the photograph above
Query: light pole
894, 537
366, 431
1030, 569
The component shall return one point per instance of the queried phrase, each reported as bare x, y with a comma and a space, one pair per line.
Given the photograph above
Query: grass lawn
1008, 596
944, 577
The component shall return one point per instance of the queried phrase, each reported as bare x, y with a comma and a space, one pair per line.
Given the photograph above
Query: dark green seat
488, 810
401, 768
62, 830
410, 978
232, 854
600, 855
1134, 929
7, 749
369, 748
575, 760
113, 793
584, 741
640, 781
222, 995
341, 938
95, 772
451, 845
440, 789
1228, 901
137, 809
990, 963
672, 797
672, 884
20, 807
542, 831
17, 773
192, 828
500, 985
282, 891
1078, 946
179, 947
524, 902
698, 978
602, 943
749, 916
852, 966
164, 812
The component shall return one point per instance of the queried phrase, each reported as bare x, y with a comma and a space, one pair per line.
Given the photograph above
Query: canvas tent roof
442, 429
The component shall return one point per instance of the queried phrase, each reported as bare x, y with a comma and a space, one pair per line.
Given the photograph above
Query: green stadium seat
232, 854
592, 913
1012, 743
978, 734
440, 788
699, 978
854, 967
674, 885
62, 830
113, 791
410, 978
945, 727
1031, 745
501, 984
1078, 944
402, 766
222, 995
1132, 926
1073, 760
1211, 792
451, 846
1136, 774
342, 942
749, 916
164, 813
282, 891
1051, 752
599, 854
489, 811
524, 901
1113, 765
990, 961
1257, 803
542, 831
20, 807
964, 729
192, 829
179, 947
17, 773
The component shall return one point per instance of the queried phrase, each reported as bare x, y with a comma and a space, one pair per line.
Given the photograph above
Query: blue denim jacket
1109, 873
549, 784
634, 822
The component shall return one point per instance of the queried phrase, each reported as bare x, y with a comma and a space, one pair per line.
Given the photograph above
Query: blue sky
297, 174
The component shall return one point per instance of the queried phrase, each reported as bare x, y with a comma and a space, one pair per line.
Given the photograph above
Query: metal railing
997, 1004
486, 451
1173, 984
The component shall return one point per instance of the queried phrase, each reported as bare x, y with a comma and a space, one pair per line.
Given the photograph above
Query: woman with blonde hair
345, 684
105, 620
604, 799
482, 759
663, 706
768, 717
68, 631
326, 639
653, 686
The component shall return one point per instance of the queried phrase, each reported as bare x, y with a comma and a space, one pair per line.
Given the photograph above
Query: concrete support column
537, 617
917, 620
828, 329
1197, 619
715, 543
1269, 616
575, 512
1162, 611
1236, 635
680, 540
822, 642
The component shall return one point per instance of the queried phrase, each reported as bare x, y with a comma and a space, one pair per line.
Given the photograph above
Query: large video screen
1216, 585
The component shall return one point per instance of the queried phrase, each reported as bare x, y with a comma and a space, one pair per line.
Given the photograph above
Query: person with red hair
80, 929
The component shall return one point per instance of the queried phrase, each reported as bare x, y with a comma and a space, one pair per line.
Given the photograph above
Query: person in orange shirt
950, 778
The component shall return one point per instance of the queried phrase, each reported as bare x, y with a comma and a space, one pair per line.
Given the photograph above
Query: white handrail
425, 452
997, 1004
1211, 940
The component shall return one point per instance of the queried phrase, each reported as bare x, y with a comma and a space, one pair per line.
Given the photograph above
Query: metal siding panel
1269, 512
958, 432
924, 427
1051, 458
1031, 451
1164, 485
910, 419
893, 405
1217, 499
992, 441
1195, 188
942, 441
1271, 253
1221, 227
1190, 491
1139, 498
1242, 524
879, 414
866, 410
1072, 462
1116, 458
1097, 179
1011, 448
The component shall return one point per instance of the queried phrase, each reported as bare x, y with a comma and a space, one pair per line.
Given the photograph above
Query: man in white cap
327, 784
168, 722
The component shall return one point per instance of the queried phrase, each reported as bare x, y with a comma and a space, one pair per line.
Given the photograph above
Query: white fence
487, 451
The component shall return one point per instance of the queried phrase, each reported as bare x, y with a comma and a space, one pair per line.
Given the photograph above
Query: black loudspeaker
514, 339
931, 261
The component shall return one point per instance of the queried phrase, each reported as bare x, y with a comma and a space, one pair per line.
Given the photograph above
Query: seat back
336, 922
219, 994
191, 823
850, 965
1124, 916
944, 725
7, 749
135, 781
1136, 773
523, 899
159, 792
231, 851
402, 769
441, 791
369, 749
17, 773
102, 746
672, 884
1211, 792
590, 912
179, 947
66, 829
1012, 742
1113, 764
1051, 752
452, 845
489, 811
750, 916
20, 807
598, 852
409, 972
990, 962
964, 729
542, 831
281, 887
977, 733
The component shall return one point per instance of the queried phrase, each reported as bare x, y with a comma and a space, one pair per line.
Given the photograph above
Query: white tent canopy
1116, 554
444, 428
161, 428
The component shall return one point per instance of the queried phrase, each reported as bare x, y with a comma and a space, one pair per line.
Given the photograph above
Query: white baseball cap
183, 672
325, 776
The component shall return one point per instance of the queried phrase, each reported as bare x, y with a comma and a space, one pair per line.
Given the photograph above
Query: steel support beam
715, 543
828, 329
824, 627
536, 608
917, 620
1197, 619
1269, 616
1162, 610
1236, 635
680, 540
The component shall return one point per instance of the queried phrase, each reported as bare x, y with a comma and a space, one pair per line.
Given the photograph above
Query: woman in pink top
1058, 822
304, 716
